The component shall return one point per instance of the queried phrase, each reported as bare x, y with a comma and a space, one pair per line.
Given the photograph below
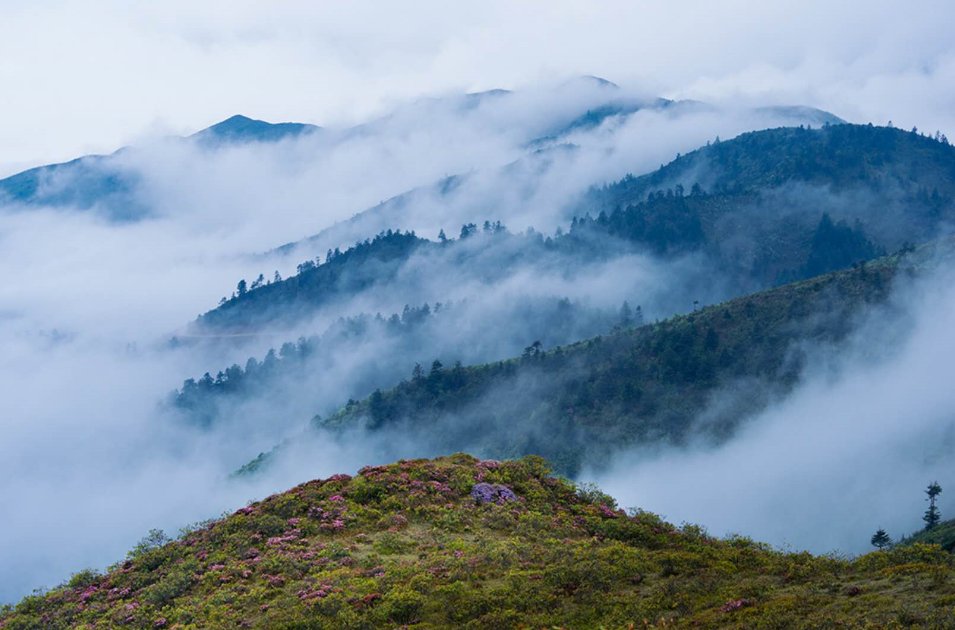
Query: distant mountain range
110, 183
767, 207
820, 200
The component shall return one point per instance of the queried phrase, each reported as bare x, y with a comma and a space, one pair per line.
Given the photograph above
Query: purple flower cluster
492, 493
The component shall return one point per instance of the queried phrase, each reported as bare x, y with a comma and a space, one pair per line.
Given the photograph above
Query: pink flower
336, 498
88, 592
607, 512
160, 623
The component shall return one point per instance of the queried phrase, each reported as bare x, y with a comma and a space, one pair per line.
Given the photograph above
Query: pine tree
880, 539
626, 314
932, 516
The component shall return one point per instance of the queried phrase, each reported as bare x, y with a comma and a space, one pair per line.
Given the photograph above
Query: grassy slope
406, 544
942, 534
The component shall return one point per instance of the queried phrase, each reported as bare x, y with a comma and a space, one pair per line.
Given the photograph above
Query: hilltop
458, 542
242, 129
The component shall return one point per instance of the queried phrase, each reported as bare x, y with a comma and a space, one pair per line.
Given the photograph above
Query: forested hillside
375, 351
578, 404
765, 208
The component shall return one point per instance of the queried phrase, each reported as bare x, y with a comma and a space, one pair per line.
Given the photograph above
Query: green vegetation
932, 516
577, 404
765, 208
843, 157
458, 542
374, 260
292, 369
943, 534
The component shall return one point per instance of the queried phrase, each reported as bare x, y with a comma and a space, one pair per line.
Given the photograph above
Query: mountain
579, 404
343, 274
241, 129
292, 379
82, 183
765, 208
546, 164
860, 168
461, 542
110, 181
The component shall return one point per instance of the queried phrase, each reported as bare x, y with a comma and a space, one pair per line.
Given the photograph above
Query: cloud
89, 459
92, 460
128, 70
848, 452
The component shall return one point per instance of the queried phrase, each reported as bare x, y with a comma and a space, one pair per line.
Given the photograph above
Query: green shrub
84, 578
169, 587
402, 606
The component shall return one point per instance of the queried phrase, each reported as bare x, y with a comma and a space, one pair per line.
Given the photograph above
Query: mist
92, 302
333, 66
93, 455
849, 451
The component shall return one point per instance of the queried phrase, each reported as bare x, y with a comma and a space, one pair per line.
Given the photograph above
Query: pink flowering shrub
492, 493
435, 544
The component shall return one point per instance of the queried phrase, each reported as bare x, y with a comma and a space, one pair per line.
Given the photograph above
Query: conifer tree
880, 539
932, 516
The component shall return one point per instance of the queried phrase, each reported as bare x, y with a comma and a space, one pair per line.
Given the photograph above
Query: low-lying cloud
849, 451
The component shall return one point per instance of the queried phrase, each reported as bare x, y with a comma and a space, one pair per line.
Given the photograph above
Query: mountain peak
239, 129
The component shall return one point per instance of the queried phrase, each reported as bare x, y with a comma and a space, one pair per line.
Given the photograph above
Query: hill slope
457, 542
109, 182
900, 185
765, 208
580, 403
942, 534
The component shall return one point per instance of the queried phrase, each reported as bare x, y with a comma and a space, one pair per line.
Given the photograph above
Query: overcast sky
83, 76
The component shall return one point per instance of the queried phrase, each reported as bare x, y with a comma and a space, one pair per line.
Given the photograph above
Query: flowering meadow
460, 542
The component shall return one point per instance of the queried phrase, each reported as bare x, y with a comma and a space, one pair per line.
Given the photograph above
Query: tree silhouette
880, 539
932, 516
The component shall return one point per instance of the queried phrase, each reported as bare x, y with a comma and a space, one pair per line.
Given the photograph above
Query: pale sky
82, 76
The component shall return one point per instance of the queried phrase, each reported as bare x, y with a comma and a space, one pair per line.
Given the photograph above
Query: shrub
402, 606
153, 540
591, 493
84, 578
169, 587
